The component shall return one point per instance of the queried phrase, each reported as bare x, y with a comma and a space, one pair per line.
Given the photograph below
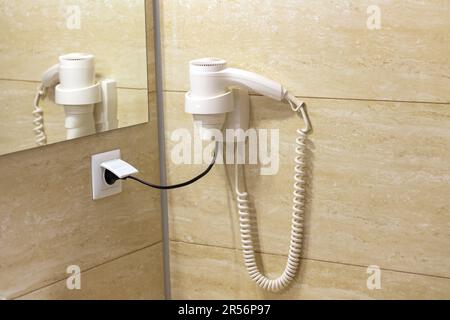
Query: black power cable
111, 178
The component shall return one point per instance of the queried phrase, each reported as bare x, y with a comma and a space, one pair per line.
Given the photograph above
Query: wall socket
100, 189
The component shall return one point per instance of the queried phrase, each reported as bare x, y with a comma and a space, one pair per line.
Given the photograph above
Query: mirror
92, 41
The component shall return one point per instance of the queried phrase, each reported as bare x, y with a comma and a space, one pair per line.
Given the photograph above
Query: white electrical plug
119, 168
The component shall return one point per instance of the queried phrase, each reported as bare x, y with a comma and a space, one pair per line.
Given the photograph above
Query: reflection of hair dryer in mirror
216, 106
89, 106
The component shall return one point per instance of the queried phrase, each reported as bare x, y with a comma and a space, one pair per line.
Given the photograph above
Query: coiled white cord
245, 217
38, 114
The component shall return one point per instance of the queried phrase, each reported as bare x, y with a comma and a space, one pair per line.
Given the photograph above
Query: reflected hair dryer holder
90, 106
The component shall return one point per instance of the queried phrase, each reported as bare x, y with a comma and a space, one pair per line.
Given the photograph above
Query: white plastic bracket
106, 111
239, 118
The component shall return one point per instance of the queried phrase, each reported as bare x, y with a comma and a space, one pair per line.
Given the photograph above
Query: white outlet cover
100, 189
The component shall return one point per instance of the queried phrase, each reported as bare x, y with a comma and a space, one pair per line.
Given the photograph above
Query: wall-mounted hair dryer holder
216, 105
227, 111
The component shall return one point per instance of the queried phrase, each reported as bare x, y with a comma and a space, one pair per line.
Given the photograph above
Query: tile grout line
87, 270
345, 99
312, 259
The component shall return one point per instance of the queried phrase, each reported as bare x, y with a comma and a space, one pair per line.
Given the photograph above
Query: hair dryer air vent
76, 57
208, 65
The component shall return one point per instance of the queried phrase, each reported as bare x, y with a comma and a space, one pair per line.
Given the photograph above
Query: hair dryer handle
256, 83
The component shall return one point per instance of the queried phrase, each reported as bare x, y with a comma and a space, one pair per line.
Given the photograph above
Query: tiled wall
48, 220
34, 33
378, 160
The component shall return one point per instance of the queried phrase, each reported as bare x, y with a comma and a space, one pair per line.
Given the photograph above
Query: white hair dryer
89, 106
214, 105
211, 99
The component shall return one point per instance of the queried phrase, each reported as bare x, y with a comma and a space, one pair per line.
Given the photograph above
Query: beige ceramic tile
137, 276
202, 272
317, 48
134, 106
35, 33
378, 180
48, 220
16, 98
